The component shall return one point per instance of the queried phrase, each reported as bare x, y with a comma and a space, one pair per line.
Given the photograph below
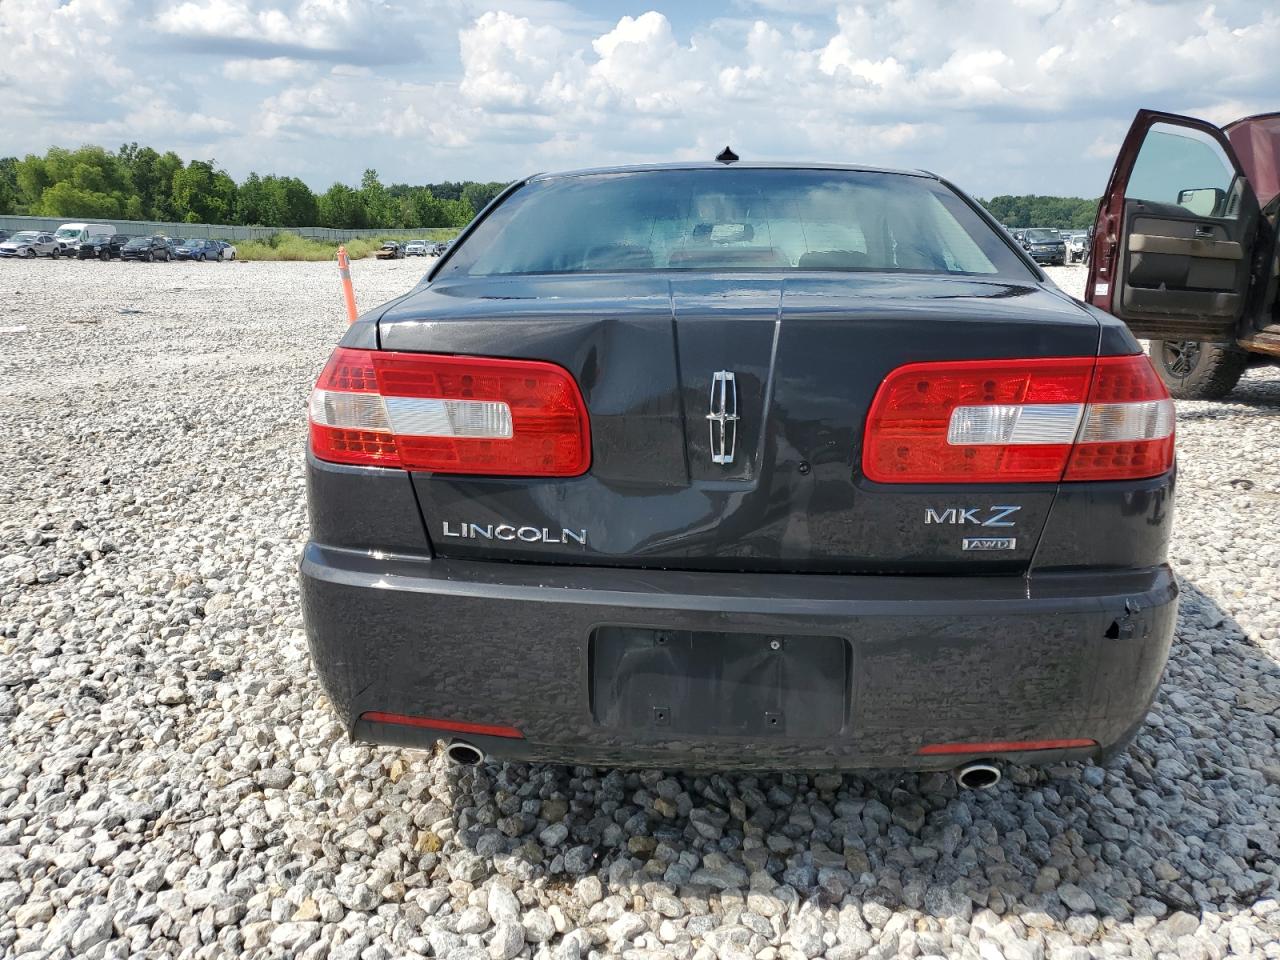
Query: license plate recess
706, 683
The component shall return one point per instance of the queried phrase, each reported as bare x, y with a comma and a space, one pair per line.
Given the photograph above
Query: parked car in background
147, 248
173, 243
440, 248
71, 235
390, 251
764, 466
415, 248
226, 250
199, 250
29, 244
1185, 247
4, 235
1045, 246
102, 246
1075, 241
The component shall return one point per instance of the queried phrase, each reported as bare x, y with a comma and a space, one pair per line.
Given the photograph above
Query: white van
71, 235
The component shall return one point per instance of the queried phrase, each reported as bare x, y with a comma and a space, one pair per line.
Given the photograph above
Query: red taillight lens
1019, 421
470, 415
1128, 428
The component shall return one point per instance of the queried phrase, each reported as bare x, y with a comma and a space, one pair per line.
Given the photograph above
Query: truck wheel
1195, 370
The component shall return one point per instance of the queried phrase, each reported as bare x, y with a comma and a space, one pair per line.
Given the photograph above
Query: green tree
297, 201
33, 178
340, 207
427, 210
449, 190
166, 169
1030, 210
86, 182
136, 182
276, 202
65, 199
152, 176
379, 209
254, 204
8, 184
203, 194
478, 195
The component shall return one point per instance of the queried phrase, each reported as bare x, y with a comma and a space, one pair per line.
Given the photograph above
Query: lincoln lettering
506, 531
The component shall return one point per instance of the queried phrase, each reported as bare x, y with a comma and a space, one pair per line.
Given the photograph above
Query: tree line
1067, 213
139, 183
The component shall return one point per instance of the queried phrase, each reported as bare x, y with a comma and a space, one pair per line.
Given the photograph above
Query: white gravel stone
173, 783
508, 940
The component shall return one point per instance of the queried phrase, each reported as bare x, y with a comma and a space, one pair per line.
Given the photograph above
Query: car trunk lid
805, 354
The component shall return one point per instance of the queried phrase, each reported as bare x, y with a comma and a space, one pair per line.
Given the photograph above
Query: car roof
739, 165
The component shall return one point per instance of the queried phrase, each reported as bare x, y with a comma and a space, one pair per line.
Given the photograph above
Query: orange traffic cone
344, 272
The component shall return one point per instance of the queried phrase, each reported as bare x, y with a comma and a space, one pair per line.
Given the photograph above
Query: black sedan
750, 466
146, 248
102, 247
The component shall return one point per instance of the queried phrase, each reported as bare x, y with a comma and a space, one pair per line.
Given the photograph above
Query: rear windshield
734, 219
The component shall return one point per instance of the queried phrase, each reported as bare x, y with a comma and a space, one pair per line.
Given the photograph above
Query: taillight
1020, 421
1128, 424
445, 414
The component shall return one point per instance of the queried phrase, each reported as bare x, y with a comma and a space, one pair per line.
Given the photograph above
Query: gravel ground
172, 782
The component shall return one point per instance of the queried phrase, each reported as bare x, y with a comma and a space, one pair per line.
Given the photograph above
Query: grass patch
290, 246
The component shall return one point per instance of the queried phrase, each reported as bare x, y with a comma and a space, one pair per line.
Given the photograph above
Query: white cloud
312, 24
503, 56
264, 70
47, 45
362, 30
1103, 148
470, 88
158, 118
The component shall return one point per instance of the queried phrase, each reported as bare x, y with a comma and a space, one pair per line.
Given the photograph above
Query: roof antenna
727, 156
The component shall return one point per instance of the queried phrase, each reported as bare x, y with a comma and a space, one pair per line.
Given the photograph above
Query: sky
1000, 96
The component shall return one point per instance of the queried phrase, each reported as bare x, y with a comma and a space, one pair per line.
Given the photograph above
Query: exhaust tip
978, 776
463, 754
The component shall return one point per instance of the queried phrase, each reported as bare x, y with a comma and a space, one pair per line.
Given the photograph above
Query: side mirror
1202, 201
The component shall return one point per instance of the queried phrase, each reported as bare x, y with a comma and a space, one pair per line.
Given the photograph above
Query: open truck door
1173, 250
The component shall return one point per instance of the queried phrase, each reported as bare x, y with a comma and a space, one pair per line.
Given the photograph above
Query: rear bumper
927, 660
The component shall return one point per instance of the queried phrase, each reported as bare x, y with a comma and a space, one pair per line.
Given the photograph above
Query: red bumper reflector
1002, 746
454, 726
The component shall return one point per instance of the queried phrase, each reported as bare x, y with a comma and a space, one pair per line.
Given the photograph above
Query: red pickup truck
1184, 247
